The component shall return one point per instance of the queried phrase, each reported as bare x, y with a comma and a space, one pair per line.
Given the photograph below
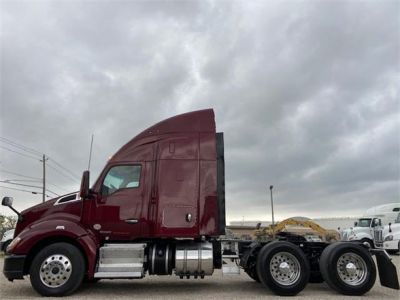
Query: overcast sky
307, 94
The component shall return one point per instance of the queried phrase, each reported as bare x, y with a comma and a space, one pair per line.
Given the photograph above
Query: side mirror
355, 224
390, 227
84, 191
7, 201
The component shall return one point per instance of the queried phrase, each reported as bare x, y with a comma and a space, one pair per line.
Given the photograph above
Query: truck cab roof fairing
191, 122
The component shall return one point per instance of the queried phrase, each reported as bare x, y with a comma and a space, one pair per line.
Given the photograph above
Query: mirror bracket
8, 201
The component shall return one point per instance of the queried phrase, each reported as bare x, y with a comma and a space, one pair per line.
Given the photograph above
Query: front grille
378, 238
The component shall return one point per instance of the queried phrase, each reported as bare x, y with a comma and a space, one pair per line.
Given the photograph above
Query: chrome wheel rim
55, 270
352, 269
285, 268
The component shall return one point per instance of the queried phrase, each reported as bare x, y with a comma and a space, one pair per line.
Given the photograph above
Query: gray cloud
307, 93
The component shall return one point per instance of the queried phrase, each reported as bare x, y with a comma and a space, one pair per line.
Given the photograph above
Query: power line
20, 146
17, 174
34, 178
31, 151
27, 180
21, 190
35, 152
37, 180
22, 154
62, 167
61, 188
27, 185
63, 174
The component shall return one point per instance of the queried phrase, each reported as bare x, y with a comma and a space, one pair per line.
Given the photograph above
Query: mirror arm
17, 212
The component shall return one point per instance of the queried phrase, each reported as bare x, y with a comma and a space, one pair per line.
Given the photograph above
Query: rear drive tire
283, 267
253, 275
57, 270
348, 268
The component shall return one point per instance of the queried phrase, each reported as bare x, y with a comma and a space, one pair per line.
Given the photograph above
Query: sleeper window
121, 177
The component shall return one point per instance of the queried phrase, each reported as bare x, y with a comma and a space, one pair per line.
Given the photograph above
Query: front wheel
57, 270
348, 268
369, 242
5, 245
283, 267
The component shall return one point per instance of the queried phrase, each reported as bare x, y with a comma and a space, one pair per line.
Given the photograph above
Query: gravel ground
171, 287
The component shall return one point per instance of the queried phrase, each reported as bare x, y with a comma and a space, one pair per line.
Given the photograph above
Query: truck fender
386, 268
363, 235
252, 251
90, 245
57, 230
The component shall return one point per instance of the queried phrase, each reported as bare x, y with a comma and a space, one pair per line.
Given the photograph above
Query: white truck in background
389, 237
371, 224
6, 239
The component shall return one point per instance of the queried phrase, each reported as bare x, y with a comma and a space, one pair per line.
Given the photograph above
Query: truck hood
51, 209
395, 229
350, 233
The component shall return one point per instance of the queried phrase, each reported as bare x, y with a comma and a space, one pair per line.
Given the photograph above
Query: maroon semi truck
158, 208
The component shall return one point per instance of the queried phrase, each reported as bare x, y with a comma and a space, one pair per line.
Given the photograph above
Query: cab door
178, 186
117, 215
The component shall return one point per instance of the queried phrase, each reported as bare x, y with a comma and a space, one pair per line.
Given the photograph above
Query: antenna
90, 154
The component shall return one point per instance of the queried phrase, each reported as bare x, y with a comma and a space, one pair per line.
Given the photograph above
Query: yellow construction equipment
267, 233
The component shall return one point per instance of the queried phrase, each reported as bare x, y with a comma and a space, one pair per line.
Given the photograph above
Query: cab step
121, 261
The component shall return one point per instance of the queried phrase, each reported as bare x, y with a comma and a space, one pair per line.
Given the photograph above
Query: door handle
188, 217
132, 221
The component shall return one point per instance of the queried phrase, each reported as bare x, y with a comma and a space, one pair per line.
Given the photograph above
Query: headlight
13, 244
353, 236
389, 238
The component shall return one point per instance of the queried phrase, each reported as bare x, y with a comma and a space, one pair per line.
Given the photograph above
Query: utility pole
44, 178
272, 209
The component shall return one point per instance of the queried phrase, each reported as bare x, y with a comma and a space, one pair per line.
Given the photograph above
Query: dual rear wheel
346, 267
283, 268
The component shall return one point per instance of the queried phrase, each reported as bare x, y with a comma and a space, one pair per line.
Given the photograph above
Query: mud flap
387, 270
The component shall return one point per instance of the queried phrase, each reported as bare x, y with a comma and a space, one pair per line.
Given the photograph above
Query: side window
121, 177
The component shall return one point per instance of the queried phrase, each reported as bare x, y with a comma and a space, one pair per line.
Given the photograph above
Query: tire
5, 245
57, 270
283, 267
356, 279
253, 275
371, 243
91, 281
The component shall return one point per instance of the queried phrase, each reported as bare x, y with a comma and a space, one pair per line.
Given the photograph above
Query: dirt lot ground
171, 287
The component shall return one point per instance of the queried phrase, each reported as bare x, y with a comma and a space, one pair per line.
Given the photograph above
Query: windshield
364, 222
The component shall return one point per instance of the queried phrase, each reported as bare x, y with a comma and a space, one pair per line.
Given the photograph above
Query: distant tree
7, 223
